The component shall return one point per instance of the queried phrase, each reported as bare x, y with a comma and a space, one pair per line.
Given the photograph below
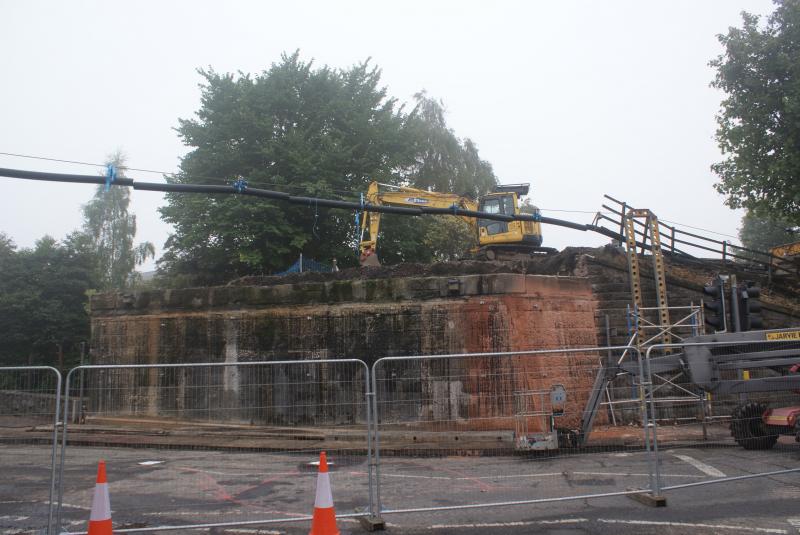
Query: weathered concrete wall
364, 319
28, 404
500, 307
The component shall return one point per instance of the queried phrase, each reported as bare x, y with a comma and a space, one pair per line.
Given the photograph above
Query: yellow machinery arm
786, 259
787, 250
403, 196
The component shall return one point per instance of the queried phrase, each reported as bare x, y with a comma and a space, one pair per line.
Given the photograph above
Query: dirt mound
561, 263
565, 263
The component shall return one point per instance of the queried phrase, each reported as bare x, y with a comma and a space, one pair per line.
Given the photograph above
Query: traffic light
750, 307
715, 308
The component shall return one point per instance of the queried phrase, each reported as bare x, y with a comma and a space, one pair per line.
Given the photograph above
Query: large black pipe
307, 201
74, 179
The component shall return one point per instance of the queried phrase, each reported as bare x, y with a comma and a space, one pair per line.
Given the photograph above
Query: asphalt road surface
151, 487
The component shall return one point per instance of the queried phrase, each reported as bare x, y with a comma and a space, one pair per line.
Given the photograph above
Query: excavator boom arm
404, 196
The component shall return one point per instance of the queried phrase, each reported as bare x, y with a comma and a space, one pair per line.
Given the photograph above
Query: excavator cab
496, 204
513, 234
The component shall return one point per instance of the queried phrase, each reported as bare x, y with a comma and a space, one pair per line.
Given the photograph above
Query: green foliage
401, 239
424, 239
442, 162
759, 123
44, 291
43, 300
762, 234
108, 233
450, 238
316, 132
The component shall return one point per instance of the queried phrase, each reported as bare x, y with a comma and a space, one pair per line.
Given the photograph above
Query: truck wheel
749, 430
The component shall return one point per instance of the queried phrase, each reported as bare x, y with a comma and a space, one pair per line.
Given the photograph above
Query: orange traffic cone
100, 519
324, 521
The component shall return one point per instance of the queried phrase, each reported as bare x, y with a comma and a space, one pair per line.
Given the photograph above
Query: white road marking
691, 525
45, 503
510, 524
149, 463
14, 518
226, 474
564, 521
192, 513
703, 467
631, 474
411, 476
794, 522
541, 474
448, 478
75, 506
260, 531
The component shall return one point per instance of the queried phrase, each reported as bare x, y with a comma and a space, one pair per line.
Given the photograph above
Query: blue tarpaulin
306, 264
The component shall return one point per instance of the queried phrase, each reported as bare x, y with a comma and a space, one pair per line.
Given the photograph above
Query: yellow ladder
650, 229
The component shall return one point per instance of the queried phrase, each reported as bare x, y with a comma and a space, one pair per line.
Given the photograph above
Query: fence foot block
649, 499
372, 523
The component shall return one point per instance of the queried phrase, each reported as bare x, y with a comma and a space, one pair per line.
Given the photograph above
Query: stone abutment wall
575, 299
363, 319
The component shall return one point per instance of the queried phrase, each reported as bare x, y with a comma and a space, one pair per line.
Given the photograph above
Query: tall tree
304, 130
442, 161
110, 229
295, 128
43, 312
762, 234
759, 123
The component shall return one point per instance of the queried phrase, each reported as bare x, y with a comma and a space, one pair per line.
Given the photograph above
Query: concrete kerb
379, 510
51, 506
67, 383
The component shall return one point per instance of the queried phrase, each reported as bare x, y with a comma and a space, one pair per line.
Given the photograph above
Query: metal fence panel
216, 444
458, 431
709, 410
29, 409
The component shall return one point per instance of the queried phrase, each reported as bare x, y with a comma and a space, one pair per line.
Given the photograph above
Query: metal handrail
723, 249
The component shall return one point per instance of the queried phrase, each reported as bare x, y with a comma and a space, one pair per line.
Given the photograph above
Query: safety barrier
498, 429
240, 437
721, 393
30, 399
232, 444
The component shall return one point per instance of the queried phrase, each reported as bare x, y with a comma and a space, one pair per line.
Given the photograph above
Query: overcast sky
579, 98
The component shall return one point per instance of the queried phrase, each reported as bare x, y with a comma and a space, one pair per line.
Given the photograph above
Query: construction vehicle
497, 240
723, 364
786, 258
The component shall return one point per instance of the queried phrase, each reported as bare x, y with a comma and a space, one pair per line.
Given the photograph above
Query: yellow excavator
497, 240
786, 258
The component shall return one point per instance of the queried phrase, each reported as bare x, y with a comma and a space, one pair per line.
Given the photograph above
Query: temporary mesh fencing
694, 417
244, 441
224, 444
29, 408
499, 429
